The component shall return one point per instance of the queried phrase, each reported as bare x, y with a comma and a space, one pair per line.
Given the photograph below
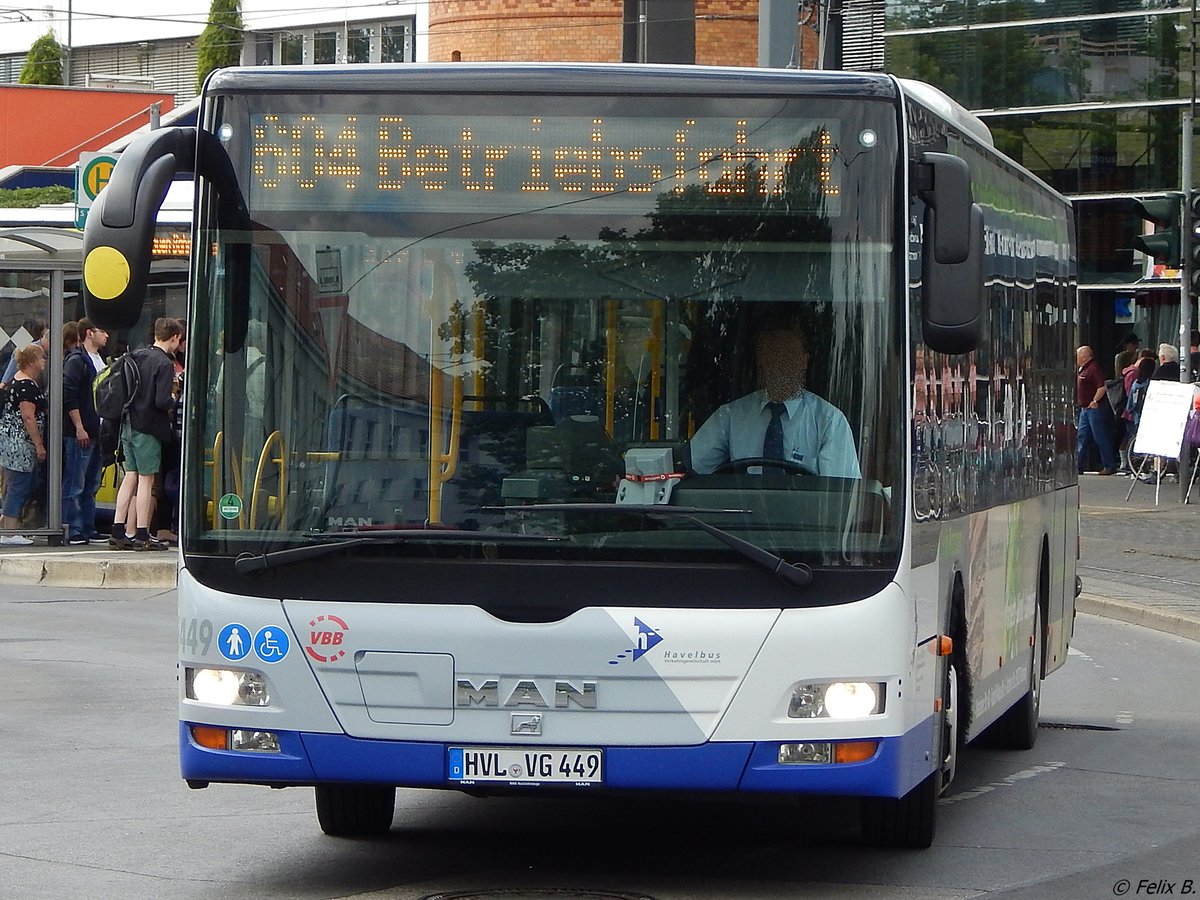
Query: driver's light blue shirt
816, 436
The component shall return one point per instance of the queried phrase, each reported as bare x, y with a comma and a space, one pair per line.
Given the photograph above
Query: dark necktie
773, 440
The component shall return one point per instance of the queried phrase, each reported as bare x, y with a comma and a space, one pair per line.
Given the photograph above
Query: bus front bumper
897, 765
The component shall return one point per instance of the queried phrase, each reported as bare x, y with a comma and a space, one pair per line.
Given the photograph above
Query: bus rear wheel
907, 821
355, 810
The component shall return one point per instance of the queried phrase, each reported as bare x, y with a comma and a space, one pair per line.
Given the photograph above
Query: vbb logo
325, 638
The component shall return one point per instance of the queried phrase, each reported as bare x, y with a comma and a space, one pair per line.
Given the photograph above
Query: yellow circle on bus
106, 273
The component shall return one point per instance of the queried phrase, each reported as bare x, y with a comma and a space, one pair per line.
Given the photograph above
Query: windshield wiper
253, 563
795, 574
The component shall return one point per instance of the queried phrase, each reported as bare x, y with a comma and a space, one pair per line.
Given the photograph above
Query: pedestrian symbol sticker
234, 641
229, 506
271, 644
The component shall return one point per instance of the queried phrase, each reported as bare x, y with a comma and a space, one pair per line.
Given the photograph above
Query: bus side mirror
952, 308
119, 231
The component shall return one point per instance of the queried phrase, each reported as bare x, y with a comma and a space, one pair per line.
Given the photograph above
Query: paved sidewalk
1140, 559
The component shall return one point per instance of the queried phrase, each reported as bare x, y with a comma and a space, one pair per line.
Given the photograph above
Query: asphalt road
93, 805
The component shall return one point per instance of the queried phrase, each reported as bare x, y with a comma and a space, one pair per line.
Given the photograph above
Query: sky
122, 21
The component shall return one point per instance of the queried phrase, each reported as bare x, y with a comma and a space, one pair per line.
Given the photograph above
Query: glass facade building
1092, 96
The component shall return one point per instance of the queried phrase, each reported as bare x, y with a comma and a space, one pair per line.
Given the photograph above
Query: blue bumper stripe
307, 758
290, 765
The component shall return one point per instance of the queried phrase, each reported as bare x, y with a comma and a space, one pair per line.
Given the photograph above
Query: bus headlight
836, 700
226, 687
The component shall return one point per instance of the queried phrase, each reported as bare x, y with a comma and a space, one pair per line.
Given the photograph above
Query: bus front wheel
907, 821
355, 810
1017, 728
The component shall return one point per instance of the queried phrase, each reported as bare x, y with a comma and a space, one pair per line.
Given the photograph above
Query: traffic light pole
1188, 276
1186, 375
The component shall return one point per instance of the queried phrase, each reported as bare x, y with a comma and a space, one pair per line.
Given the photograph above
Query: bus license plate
540, 765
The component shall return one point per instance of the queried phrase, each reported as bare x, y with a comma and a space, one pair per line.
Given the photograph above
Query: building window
325, 48
358, 45
394, 46
264, 50
362, 43
291, 49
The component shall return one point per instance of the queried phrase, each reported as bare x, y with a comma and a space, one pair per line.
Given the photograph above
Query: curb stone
1180, 625
79, 571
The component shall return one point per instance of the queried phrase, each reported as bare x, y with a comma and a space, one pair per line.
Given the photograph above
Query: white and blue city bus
452, 330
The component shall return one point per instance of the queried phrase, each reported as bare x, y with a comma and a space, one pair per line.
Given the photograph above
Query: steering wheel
741, 465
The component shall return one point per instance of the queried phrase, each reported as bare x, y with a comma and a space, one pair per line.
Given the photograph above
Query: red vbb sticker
325, 637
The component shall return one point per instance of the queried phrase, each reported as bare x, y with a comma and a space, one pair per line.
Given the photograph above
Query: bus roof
547, 78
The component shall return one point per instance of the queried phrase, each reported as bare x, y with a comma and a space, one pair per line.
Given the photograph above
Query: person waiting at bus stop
81, 437
1091, 397
143, 434
781, 420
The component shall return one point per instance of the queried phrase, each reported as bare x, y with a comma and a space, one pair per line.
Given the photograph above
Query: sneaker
78, 541
123, 542
97, 539
1152, 478
1106, 472
167, 536
15, 540
151, 544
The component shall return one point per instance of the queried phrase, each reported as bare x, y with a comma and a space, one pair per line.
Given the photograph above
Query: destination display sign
508, 163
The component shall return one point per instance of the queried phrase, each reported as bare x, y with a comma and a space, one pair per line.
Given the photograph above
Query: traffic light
1165, 245
1191, 245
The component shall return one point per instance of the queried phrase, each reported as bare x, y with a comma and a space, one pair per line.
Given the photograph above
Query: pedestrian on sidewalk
1091, 397
81, 438
145, 429
1127, 355
22, 442
1168, 363
165, 523
1129, 414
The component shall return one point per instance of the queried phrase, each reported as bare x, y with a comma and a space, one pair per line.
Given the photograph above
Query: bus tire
906, 821
355, 810
1017, 728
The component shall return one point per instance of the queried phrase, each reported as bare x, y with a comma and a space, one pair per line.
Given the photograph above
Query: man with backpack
146, 427
81, 437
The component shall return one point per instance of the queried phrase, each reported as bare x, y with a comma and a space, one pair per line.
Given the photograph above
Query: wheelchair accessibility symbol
271, 644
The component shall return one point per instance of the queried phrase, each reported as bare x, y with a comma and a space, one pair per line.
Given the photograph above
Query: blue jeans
18, 488
81, 480
1093, 427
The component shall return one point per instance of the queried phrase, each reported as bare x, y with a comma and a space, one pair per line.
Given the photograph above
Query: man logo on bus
647, 638
325, 640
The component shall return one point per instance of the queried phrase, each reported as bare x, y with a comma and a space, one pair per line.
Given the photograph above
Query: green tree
44, 63
220, 43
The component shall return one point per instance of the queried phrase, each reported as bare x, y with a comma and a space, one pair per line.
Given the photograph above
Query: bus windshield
538, 316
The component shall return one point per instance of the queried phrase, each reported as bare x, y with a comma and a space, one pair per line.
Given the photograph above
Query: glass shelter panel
518, 327
1080, 60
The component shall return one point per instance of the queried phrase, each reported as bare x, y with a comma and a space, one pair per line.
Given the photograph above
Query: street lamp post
67, 55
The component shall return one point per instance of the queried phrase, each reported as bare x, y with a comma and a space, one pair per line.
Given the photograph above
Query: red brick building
725, 32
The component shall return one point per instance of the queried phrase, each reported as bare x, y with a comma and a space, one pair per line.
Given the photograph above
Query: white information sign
329, 271
1160, 431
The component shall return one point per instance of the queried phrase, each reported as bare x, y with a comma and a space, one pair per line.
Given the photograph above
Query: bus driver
781, 420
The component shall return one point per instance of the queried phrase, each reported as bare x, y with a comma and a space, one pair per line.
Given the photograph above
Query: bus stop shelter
40, 270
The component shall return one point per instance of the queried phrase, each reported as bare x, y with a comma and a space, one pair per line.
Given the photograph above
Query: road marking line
1007, 781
